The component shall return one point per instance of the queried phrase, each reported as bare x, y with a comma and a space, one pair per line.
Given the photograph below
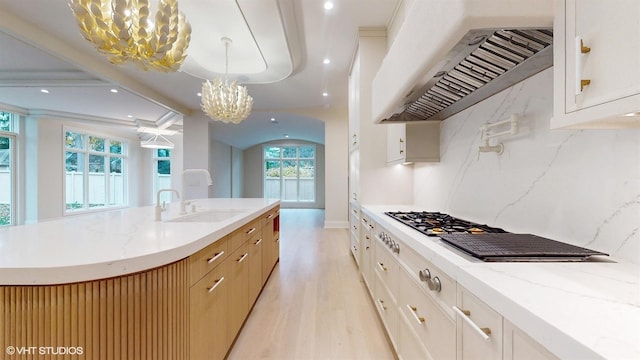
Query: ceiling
277, 51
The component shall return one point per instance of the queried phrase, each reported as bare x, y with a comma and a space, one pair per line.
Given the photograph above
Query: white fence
74, 186
290, 189
5, 186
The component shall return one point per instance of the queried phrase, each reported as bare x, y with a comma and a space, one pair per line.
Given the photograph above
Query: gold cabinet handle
381, 303
258, 242
381, 265
581, 50
414, 311
215, 257
401, 146
244, 256
215, 284
484, 332
251, 231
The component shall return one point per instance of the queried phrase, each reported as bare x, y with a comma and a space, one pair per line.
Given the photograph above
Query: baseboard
336, 224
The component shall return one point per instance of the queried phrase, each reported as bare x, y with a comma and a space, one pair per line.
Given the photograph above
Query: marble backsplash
577, 186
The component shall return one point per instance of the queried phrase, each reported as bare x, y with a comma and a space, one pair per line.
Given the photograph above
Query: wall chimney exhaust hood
450, 55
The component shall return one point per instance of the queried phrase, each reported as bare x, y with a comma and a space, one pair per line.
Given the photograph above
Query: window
95, 172
8, 132
290, 173
162, 174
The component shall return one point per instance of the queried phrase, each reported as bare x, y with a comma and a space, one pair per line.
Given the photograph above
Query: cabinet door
519, 346
436, 331
395, 143
268, 260
611, 29
238, 288
256, 246
208, 315
479, 329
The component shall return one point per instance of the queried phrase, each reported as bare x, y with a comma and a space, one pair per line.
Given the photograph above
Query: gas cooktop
489, 243
436, 224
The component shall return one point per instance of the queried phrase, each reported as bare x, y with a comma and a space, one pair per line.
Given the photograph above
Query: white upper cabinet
413, 142
596, 64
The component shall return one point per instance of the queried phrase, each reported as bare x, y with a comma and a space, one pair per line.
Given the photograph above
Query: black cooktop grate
516, 247
435, 223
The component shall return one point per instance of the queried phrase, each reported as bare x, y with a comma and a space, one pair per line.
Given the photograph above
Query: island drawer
208, 258
245, 233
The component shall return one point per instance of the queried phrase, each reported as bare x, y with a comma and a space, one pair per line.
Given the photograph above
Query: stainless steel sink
208, 216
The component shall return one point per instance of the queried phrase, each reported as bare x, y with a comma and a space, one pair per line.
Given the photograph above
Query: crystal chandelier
124, 31
221, 101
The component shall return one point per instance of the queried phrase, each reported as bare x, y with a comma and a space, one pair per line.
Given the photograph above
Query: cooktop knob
424, 275
435, 285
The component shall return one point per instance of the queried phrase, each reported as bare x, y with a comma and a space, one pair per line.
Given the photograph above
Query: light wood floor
315, 305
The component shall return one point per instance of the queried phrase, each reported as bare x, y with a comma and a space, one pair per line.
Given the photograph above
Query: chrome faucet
184, 202
161, 208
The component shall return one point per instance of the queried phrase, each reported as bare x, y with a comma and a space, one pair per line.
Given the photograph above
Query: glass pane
162, 153
164, 167
6, 180
307, 152
290, 180
115, 147
97, 181
307, 169
5, 121
115, 165
289, 152
74, 140
74, 180
96, 143
116, 182
306, 182
272, 179
272, 152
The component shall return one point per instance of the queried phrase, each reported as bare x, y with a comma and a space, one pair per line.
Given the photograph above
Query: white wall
237, 172
196, 148
220, 169
576, 186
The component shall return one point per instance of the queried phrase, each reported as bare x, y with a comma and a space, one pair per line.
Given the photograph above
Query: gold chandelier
123, 31
221, 101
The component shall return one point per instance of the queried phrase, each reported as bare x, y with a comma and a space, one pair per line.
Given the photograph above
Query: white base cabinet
425, 321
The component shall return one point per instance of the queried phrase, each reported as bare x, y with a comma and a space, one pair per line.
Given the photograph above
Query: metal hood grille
482, 64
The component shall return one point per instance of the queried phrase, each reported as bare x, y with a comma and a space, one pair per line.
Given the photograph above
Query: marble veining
527, 191
576, 186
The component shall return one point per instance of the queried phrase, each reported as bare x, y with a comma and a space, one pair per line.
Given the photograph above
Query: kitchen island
569, 310
118, 284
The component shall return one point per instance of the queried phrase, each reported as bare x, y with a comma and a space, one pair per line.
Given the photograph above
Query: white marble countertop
113, 243
584, 310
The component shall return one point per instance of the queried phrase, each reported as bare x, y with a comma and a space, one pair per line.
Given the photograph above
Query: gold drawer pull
215, 257
242, 258
414, 311
251, 231
216, 284
485, 333
381, 265
381, 302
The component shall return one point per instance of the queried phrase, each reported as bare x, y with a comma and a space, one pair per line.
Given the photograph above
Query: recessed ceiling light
273, 119
326, 61
115, 91
635, 113
325, 94
44, 91
328, 5
286, 136
199, 94
130, 116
